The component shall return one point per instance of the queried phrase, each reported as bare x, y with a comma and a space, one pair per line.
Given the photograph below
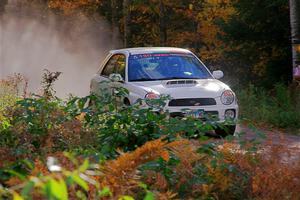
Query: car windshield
165, 66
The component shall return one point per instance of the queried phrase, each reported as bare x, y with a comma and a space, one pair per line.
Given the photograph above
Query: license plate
197, 113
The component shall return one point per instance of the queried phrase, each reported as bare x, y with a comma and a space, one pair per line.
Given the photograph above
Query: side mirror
116, 78
218, 74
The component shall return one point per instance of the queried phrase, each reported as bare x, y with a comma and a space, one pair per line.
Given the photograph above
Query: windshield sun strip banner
156, 54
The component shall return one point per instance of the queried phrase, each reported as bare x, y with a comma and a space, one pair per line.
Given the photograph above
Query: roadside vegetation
56, 149
278, 107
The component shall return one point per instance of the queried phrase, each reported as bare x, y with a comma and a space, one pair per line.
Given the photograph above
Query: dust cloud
33, 39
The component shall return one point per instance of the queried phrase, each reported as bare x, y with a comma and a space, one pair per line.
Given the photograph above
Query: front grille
193, 102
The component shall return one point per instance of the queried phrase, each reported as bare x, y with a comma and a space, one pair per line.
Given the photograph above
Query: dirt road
277, 137
288, 145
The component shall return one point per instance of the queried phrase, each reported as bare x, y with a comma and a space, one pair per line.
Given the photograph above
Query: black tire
225, 130
126, 102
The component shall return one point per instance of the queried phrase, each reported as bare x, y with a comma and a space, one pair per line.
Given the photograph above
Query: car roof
143, 50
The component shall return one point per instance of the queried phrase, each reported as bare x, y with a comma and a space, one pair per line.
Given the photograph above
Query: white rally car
151, 72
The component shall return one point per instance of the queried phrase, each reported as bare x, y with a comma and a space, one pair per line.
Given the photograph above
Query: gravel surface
290, 144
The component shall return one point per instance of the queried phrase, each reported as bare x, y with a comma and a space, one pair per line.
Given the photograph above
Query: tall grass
279, 107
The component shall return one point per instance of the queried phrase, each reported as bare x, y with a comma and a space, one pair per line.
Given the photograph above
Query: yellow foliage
69, 6
81, 116
212, 10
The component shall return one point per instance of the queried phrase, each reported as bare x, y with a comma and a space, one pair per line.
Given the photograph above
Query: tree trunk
295, 36
2, 9
162, 24
2, 6
126, 13
114, 23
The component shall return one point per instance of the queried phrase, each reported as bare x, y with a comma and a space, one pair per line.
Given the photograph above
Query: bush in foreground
118, 152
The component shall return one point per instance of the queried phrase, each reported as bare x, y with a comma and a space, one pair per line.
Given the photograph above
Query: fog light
229, 114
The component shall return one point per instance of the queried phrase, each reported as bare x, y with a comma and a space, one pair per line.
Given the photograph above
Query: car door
113, 65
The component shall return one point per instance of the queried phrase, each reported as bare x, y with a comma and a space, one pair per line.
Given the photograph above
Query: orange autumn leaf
165, 155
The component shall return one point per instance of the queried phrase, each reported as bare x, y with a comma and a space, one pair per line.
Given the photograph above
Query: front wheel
225, 130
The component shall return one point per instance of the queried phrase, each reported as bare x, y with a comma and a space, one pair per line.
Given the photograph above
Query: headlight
150, 98
151, 95
227, 97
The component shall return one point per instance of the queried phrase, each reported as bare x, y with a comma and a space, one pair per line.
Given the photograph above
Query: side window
116, 64
121, 65
110, 66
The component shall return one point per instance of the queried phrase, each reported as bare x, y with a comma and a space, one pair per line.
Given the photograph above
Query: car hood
209, 88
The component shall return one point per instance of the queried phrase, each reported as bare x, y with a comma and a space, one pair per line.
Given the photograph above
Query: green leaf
203, 138
80, 182
64, 189
125, 197
16, 196
143, 185
17, 174
105, 192
80, 195
27, 189
84, 166
149, 196
71, 157
29, 163
57, 189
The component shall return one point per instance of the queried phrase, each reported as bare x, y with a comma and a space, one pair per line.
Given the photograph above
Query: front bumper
218, 110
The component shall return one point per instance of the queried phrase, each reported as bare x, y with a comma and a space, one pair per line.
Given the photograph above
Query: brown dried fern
121, 175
